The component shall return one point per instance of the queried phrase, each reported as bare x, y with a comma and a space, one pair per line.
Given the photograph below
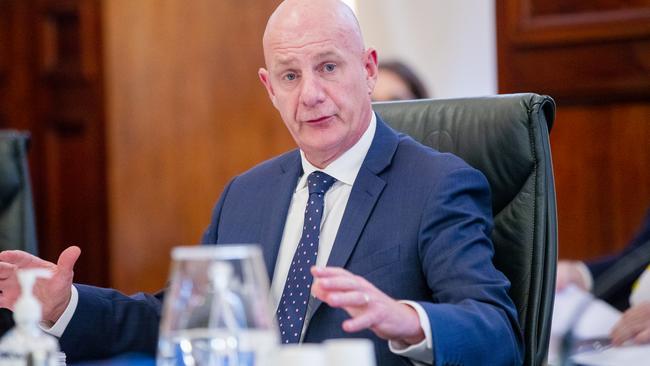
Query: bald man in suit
399, 248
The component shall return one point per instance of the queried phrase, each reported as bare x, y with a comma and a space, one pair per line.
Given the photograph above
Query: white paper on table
615, 356
590, 317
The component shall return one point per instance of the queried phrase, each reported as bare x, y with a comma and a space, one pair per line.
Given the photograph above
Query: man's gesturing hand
368, 306
54, 293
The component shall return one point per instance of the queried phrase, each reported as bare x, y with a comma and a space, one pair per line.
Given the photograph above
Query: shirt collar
346, 167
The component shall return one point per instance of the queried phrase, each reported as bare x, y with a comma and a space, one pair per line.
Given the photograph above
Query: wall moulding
529, 28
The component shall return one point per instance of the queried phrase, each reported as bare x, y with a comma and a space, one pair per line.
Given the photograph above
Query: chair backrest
17, 228
505, 137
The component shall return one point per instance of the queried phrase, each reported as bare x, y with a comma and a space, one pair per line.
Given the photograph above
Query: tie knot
319, 182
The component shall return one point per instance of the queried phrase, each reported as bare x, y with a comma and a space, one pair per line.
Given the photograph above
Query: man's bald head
319, 76
295, 18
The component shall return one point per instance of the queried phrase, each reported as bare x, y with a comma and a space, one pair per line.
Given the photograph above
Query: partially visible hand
53, 293
634, 325
368, 306
568, 273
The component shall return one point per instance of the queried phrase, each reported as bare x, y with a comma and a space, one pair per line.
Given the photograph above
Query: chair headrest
481, 131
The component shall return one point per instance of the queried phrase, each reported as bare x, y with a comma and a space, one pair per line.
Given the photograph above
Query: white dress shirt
60, 325
345, 170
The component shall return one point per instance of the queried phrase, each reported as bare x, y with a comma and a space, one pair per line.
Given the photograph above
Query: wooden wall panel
590, 73
586, 52
53, 89
69, 40
186, 113
5, 18
17, 80
5, 13
593, 57
602, 173
544, 7
69, 134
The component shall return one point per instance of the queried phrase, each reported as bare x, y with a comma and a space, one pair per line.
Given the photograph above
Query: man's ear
264, 78
371, 67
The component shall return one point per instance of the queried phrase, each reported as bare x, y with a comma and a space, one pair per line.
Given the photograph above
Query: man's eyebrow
326, 54
284, 61
289, 61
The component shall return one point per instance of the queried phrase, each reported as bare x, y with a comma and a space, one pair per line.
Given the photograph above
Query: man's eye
290, 76
329, 67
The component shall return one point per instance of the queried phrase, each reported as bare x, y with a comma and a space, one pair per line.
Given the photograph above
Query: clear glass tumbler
217, 311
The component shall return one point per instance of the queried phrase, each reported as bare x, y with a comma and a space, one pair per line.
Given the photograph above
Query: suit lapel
365, 192
280, 192
363, 198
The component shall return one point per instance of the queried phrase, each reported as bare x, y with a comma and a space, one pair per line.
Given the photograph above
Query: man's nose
312, 92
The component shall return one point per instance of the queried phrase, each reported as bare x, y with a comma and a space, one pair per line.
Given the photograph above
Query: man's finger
329, 271
360, 322
623, 331
643, 337
338, 283
9, 294
347, 299
68, 258
6, 270
22, 259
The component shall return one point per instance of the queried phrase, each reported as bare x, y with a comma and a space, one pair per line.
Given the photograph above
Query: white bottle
26, 344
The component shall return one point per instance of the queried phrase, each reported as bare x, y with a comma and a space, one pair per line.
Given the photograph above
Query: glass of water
217, 311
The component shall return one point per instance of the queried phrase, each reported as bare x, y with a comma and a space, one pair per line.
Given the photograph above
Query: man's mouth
319, 119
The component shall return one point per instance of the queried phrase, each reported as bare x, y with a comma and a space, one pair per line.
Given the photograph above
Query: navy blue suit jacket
417, 225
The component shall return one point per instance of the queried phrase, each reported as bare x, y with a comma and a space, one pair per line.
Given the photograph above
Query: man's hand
54, 293
568, 272
369, 307
634, 325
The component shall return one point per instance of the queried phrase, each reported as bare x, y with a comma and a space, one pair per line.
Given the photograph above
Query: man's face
320, 81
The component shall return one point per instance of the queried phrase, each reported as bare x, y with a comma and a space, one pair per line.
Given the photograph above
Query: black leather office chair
505, 137
17, 229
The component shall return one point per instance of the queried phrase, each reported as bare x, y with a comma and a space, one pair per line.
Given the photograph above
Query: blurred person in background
622, 280
396, 81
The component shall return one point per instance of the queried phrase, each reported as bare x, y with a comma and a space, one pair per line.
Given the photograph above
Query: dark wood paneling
593, 57
601, 163
74, 212
527, 27
70, 99
69, 48
5, 18
61, 44
545, 7
589, 73
5, 13
53, 90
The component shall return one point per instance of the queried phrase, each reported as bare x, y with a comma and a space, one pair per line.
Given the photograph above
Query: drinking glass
217, 311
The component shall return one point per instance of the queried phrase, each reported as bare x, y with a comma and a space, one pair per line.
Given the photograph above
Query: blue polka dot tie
295, 297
